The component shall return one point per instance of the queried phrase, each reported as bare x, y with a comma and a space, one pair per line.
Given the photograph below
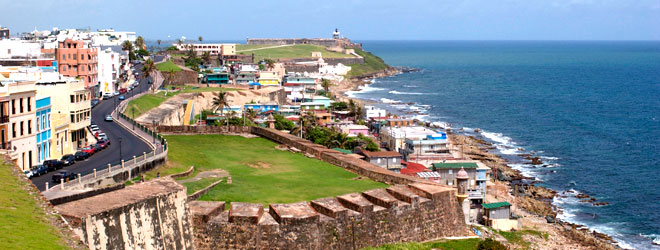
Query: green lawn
260, 173
295, 51
24, 225
191, 89
242, 47
194, 186
372, 63
465, 244
146, 102
167, 66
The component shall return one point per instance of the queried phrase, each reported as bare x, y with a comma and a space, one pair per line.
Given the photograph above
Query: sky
358, 19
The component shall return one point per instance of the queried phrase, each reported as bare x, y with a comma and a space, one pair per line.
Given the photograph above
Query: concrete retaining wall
416, 212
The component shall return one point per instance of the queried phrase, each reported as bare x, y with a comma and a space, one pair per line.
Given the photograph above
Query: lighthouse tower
462, 182
336, 34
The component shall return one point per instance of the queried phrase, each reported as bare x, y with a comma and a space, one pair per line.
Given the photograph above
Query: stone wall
415, 212
331, 61
180, 78
150, 215
291, 67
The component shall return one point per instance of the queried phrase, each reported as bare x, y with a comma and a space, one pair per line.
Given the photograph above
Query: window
450, 171
73, 118
22, 128
75, 57
13, 106
20, 105
38, 124
29, 125
44, 123
29, 104
13, 129
72, 99
63, 56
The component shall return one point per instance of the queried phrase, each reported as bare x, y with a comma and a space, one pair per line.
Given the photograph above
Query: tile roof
495, 205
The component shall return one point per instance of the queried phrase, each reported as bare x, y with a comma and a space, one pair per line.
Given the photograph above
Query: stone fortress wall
414, 212
328, 42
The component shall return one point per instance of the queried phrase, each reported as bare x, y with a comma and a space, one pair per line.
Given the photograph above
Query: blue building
262, 107
43, 128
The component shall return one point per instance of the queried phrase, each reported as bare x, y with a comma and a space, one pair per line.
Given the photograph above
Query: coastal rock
582, 196
598, 204
536, 160
550, 219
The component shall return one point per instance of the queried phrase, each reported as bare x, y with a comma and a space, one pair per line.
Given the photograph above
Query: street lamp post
133, 109
120, 156
153, 124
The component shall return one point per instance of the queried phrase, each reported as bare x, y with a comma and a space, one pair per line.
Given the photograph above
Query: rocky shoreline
533, 201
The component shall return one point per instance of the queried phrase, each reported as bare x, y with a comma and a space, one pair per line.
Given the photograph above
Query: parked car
123, 91
94, 102
107, 96
29, 174
121, 97
53, 164
108, 118
116, 93
80, 155
66, 175
90, 150
103, 143
102, 136
68, 160
96, 147
39, 170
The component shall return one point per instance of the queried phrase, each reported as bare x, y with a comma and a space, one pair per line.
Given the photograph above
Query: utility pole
120, 156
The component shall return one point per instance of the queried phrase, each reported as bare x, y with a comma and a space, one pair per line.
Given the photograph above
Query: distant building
247, 74
217, 76
395, 137
4, 32
477, 174
398, 122
311, 106
262, 107
268, 78
319, 99
354, 130
109, 69
498, 216
297, 87
371, 112
386, 159
215, 49
77, 58
432, 147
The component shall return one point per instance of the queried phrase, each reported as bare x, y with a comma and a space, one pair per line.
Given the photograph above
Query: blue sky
360, 20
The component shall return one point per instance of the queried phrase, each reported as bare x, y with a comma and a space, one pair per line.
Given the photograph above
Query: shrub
490, 244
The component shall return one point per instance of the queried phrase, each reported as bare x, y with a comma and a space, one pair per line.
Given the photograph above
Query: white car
116, 93
28, 174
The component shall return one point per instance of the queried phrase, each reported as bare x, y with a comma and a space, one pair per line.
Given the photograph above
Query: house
319, 99
354, 130
19, 118
213, 49
323, 118
296, 87
311, 106
217, 75
477, 175
395, 137
43, 128
386, 159
498, 216
398, 122
431, 148
269, 78
246, 74
262, 107
77, 58
109, 69
371, 112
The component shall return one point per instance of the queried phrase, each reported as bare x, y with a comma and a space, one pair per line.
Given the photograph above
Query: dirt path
217, 173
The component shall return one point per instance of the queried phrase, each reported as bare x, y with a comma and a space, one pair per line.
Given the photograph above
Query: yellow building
228, 49
70, 105
61, 143
269, 78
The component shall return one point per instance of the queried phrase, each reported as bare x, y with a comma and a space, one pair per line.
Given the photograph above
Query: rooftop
456, 165
495, 205
380, 154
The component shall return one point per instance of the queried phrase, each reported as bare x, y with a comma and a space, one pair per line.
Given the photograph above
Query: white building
109, 70
395, 137
110, 37
213, 48
18, 49
371, 112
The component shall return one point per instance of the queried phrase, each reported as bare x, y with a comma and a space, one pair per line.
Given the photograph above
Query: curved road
130, 144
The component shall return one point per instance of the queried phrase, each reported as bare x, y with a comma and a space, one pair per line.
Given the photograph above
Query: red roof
413, 168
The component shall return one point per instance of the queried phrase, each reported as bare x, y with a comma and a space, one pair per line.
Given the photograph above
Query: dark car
94, 102
96, 147
53, 165
68, 160
80, 155
65, 175
103, 143
39, 170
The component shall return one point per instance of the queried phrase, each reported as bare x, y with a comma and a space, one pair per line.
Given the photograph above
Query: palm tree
170, 76
325, 83
139, 42
179, 42
206, 57
220, 100
148, 68
270, 63
339, 140
200, 38
251, 114
127, 45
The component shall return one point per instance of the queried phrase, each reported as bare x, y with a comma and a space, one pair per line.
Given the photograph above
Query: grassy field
167, 66
260, 173
194, 186
295, 51
24, 225
371, 64
466, 244
146, 102
242, 47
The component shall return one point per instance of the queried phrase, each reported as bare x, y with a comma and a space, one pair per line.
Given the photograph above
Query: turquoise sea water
590, 110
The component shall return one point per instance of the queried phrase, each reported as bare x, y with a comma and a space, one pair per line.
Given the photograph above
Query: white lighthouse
335, 34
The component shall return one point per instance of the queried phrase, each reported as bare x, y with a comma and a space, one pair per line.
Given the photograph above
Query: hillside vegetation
24, 225
372, 63
293, 51
168, 66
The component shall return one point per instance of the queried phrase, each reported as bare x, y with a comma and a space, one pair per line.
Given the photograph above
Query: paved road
130, 144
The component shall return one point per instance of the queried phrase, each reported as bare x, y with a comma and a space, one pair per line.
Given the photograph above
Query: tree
148, 67
220, 100
325, 83
490, 244
139, 43
270, 63
179, 42
172, 48
127, 45
206, 57
251, 114
281, 123
339, 106
200, 38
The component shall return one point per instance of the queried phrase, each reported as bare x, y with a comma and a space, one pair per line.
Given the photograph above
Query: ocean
589, 109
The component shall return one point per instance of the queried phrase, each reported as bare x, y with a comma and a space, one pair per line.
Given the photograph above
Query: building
262, 107
395, 137
398, 122
109, 69
77, 58
354, 130
43, 135
297, 87
319, 99
4, 117
217, 76
214, 49
269, 78
433, 147
110, 37
498, 216
21, 131
371, 112
4, 33
477, 177
385, 159
60, 137
246, 74
311, 107
73, 102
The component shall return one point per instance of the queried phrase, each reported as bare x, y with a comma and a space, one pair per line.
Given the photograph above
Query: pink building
76, 58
